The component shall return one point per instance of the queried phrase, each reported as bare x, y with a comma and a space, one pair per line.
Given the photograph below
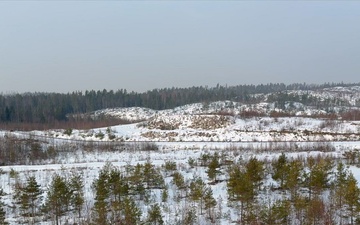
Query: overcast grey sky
64, 46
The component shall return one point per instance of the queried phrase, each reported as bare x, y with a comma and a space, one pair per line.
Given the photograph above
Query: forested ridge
54, 107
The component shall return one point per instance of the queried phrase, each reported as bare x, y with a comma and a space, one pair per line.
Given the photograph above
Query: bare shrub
147, 146
328, 123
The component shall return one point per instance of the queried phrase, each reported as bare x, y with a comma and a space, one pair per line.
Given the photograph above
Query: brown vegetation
209, 122
74, 124
251, 113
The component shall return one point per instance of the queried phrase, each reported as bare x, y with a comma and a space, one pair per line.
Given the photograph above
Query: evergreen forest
54, 108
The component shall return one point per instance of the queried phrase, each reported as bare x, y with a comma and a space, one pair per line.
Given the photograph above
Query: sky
65, 46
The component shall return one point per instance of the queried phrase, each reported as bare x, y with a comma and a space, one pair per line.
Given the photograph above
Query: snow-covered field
89, 165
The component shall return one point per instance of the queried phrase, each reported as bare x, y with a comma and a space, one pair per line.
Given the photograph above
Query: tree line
54, 107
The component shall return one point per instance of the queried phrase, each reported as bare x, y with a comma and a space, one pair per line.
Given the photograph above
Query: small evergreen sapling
2, 211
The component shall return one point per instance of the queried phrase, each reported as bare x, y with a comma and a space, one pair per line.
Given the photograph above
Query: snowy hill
234, 121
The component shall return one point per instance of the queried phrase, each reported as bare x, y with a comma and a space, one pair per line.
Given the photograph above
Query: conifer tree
280, 168
255, 171
102, 192
277, 213
154, 215
136, 181
131, 212
164, 195
197, 191
148, 174
318, 176
152, 176
31, 196
293, 179
315, 212
352, 198
2, 215
77, 192
189, 217
241, 188
300, 206
339, 187
213, 167
2, 211
118, 189
210, 202
58, 196
179, 181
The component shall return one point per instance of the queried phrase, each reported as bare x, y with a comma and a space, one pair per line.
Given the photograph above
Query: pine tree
2, 211
118, 189
189, 217
280, 168
300, 205
164, 195
339, 187
136, 181
352, 198
210, 202
197, 191
315, 211
241, 188
255, 171
213, 167
152, 176
102, 193
277, 213
31, 196
77, 192
58, 195
318, 176
179, 181
131, 212
154, 215
293, 179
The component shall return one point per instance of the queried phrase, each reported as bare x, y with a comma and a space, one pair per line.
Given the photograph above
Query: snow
90, 164
188, 138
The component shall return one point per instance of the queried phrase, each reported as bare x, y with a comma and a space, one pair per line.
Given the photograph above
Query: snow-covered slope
219, 128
